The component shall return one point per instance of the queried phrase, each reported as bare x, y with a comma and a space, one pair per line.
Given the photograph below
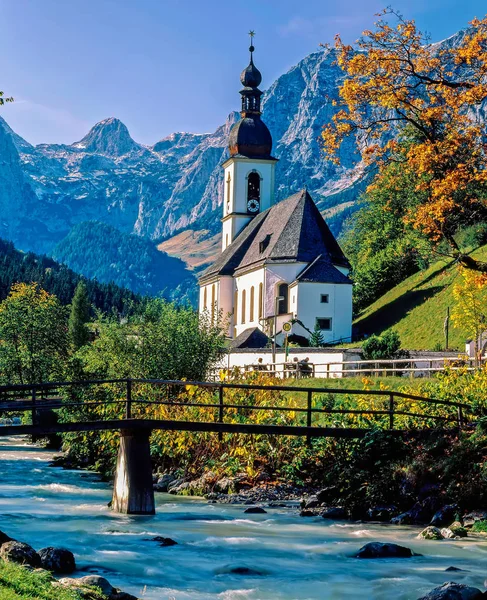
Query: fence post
128, 408
328, 371
220, 411
391, 411
308, 415
460, 417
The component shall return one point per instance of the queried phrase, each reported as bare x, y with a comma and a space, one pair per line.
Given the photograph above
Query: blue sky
168, 65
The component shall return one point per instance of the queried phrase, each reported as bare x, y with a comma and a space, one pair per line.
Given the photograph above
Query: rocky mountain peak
110, 137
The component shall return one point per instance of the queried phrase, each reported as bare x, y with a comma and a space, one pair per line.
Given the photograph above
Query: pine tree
316, 339
79, 317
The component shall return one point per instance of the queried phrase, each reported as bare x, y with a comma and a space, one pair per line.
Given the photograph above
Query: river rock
163, 482
473, 516
57, 560
21, 553
455, 569
431, 533
164, 541
97, 581
310, 502
336, 514
445, 515
225, 485
458, 529
382, 513
255, 510
175, 483
421, 512
384, 550
5, 538
453, 591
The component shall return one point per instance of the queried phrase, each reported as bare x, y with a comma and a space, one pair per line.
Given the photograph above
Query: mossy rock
431, 533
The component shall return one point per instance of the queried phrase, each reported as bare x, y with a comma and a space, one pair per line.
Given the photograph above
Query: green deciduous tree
382, 246
33, 335
163, 341
79, 317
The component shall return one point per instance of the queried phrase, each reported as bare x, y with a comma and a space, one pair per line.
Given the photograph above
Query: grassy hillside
416, 308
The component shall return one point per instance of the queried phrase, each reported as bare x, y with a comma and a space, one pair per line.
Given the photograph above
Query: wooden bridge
132, 406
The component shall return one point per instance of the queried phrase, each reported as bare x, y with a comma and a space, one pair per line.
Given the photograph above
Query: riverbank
276, 555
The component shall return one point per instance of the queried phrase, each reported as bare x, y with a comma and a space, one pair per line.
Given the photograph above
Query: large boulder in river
21, 553
431, 533
382, 513
453, 591
97, 581
384, 550
57, 560
336, 514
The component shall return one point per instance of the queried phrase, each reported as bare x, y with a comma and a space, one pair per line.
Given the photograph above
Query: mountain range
171, 193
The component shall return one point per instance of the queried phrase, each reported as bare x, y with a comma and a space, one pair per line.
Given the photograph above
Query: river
297, 558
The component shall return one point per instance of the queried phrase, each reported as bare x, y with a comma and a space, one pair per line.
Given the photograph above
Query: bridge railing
132, 399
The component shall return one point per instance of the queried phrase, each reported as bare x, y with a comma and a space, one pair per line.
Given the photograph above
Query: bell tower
249, 172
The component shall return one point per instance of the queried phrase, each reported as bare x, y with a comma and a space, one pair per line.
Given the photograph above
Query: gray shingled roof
290, 231
321, 270
250, 338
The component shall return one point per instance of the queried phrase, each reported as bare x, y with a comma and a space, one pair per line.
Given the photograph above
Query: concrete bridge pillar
133, 493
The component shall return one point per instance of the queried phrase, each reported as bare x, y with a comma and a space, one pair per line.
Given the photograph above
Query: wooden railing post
128, 408
34, 403
220, 411
391, 411
309, 415
460, 417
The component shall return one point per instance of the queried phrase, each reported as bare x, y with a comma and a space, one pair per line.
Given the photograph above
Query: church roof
251, 338
322, 270
290, 231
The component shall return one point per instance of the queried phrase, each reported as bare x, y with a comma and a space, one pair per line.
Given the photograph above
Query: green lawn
416, 308
357, 383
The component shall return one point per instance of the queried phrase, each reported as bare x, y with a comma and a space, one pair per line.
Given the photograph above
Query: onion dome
251, 76
250, 137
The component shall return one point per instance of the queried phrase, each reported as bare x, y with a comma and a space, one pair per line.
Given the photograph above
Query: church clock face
253, 206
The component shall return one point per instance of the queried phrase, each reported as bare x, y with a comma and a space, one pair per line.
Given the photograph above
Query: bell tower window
253, 186
253, 193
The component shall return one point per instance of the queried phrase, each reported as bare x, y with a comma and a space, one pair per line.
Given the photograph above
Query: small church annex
280, 263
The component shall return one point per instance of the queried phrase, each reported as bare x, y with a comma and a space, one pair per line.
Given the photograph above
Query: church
280, 269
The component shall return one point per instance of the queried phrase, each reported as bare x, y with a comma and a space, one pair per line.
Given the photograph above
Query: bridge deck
152, 424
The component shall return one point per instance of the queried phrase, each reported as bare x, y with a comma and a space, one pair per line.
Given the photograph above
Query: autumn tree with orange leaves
409, 101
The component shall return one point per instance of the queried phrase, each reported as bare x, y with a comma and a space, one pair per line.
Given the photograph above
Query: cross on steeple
252, 35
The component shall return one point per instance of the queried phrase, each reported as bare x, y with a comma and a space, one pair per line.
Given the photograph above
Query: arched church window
205, 300
243, 307
251, 317
253, 186
261, 300
283, 290
213, 303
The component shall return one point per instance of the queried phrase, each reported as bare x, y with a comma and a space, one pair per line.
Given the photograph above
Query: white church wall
246, 282
225, 301
338, 308
276, 274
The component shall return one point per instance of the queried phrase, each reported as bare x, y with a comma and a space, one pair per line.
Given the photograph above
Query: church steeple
249, 172
250, 137
251, 79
